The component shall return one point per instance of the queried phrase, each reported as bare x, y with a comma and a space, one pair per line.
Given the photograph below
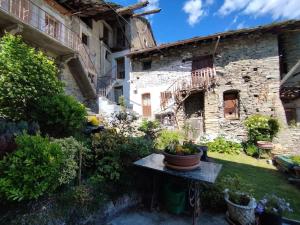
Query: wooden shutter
165, 97
146, 104
231, 105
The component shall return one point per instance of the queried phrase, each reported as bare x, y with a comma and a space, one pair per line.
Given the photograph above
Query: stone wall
249, 65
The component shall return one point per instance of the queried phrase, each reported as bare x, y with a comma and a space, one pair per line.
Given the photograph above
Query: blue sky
182, 19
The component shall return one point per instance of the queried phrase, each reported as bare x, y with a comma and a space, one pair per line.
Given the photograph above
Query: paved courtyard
141, 217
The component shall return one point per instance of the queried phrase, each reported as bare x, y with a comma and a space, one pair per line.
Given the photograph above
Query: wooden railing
200, 80
31, 14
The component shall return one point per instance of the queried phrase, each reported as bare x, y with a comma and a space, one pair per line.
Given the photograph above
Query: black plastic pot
270, 219
204, 149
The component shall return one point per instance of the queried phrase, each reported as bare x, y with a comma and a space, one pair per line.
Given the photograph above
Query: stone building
87, 39
212, 84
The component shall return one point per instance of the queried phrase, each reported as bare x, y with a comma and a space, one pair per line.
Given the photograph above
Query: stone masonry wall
248, 64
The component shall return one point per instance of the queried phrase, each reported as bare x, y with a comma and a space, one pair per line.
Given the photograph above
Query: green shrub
222, 145
296, 159
114, 154
165, 137
32, 170
60, 115
74, 155
25, 76
251, 149
261, 128
150, 128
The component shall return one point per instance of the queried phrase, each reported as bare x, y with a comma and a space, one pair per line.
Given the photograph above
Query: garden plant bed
263, 178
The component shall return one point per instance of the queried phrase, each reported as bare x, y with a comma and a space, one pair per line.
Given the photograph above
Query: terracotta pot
265, 144
183, 160
297, 170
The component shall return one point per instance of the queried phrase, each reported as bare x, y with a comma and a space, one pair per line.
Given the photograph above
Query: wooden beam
131, 8
290, 73
147, 13
58, 7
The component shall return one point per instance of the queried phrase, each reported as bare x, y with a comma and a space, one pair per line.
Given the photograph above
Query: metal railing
31, 14
107, 81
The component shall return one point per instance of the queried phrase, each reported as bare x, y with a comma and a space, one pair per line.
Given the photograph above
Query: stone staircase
107, 107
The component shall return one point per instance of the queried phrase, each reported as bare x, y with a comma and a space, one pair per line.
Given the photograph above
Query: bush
150, 128
261, 128
60, 115
165, 137
32, 170
75, 154
251, 149
114, 153
9, 130
25, 76
123, 121
222, 145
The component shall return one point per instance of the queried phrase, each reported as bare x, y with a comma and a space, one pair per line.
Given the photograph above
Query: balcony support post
14, 29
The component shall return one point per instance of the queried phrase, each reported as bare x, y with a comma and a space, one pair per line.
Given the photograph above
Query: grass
264, 178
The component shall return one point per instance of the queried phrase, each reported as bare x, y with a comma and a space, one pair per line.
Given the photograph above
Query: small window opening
105, 37
121, 68
147, 65
85, 39
231, 105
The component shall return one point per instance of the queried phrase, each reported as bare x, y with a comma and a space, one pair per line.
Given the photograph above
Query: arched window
231, 104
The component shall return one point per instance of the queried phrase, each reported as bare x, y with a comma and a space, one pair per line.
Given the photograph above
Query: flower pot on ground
270, 210
242, 211
182, 157
240, 203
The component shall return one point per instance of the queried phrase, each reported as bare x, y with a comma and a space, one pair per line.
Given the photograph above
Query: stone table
207, 172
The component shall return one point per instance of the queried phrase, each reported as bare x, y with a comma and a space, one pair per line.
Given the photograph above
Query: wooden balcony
43, 30
200, 80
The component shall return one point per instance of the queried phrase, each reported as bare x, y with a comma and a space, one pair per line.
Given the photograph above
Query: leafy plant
9, 130
239, 192
150, 128
222, 145
75, 156
251, 149
261, 128
296, 160
186, 148
26, 75
273, 204
165, 137
32, 170
60, 115
123, 121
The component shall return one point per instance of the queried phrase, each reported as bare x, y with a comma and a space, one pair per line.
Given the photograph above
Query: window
121, 68
107, 56
118, 92
147, 65
165, 98
88, 21
121, 36
105, 37
84, 39
231, 105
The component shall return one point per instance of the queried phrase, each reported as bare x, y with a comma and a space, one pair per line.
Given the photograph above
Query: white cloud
241, 25
278, 9
194, 10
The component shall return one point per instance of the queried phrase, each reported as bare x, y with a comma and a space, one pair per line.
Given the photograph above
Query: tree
25, 76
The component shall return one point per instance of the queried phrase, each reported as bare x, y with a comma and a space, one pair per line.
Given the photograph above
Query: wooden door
146, 104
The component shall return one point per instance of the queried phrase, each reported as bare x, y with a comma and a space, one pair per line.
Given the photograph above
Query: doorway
146, 104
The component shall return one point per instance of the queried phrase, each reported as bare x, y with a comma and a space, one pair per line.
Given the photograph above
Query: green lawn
263, 177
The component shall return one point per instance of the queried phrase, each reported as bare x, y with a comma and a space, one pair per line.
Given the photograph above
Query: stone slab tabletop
207, 171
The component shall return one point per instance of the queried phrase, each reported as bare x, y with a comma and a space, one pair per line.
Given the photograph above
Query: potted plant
184, 156
240, 203
296, 161
270, 210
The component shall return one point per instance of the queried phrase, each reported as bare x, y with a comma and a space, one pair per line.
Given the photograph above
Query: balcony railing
31, 14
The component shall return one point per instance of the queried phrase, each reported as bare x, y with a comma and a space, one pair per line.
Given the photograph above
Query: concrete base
142, 217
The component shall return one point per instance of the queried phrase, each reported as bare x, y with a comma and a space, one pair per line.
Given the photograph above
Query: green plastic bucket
174, 198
